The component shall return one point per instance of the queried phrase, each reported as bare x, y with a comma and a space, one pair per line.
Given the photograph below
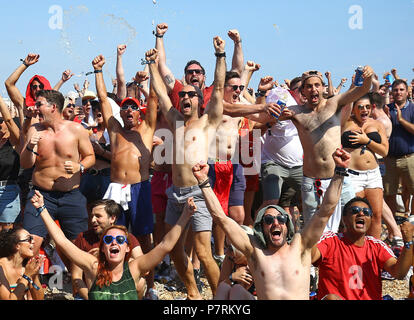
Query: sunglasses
269, 219
119, 239
196, 71
1, 121
366, 211
191, 94
71, 105
85, 102
235, 87
362, 106
127, 106
313, 72
28, 239
35, 86
318, 185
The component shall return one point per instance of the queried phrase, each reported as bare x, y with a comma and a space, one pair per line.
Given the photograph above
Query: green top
124, 289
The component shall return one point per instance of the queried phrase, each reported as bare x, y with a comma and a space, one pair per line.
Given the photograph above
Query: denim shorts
367, 179
9, 203
177, 198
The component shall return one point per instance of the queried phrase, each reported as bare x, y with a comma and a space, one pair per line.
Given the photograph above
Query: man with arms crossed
319, 126
279, 260
191, 145
60, 150
131, 147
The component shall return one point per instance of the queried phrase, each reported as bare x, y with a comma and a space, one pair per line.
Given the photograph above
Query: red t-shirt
349, 271
178, 86
89, 240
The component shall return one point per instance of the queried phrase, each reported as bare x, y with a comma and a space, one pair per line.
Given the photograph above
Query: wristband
31, 282
231, 279
204, 184
157, 34
24, 63
98, 71
31, 150
143, 61
38, 212
260, 93
341, 171
220, 54
408, 244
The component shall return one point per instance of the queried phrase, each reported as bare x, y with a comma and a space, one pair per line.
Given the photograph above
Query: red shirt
349, 271
178, 86
89, 240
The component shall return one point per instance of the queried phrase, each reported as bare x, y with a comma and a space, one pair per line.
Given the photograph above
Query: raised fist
219, 44
234, 35
98, 62
151, 55
162, 28
31, 58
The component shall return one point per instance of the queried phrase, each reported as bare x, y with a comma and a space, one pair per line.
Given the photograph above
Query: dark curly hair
8, 241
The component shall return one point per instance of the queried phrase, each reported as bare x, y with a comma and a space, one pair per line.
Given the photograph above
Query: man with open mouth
131, 145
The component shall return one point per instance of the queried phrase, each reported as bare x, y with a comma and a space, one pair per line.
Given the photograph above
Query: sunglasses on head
35, 86
269, 219
196, 71
318, 185
235, 87
127, 106
366, 211
107, 239
28, 239
313, 72
191, 94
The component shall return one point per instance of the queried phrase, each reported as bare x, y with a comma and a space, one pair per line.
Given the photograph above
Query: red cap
143, 109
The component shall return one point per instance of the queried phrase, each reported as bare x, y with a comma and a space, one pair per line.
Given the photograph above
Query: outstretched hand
341, 158
31, 58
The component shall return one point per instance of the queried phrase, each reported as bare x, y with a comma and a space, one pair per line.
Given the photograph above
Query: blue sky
285, 37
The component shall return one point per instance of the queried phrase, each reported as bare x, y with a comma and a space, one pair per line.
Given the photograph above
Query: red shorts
252, 182
160, 182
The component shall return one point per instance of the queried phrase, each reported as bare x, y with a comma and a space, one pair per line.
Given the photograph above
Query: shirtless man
60, 152
191, 142
279, 260
319, 126
131, 147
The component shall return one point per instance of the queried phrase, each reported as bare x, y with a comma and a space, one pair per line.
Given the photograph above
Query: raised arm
13, 92
151, 259
214, 108
232, 229
11, 125
81, 258
66, 75
110, 122
151, 115
314, 229
331, 91
167, 109
165, 72
238, 58
357, 92
120, 74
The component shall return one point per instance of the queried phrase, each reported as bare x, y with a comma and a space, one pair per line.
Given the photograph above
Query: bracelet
341, 171
231, 279
31, 282
260, 93
204, 184
157, 34
39, 211
408, 244
369, 141
24, 63
220, 54
143, 61
31, 150
98, 71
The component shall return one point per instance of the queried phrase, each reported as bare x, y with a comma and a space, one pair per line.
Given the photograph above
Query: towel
120, 193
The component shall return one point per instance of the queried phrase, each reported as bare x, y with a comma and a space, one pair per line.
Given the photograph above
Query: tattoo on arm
169, 79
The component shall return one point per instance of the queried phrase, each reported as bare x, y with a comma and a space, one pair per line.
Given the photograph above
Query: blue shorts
69, 208
139, 215
9, 203
93, 186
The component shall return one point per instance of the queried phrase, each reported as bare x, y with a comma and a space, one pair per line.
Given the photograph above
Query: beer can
358, 76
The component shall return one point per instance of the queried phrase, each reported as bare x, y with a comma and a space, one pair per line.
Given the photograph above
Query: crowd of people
294, 189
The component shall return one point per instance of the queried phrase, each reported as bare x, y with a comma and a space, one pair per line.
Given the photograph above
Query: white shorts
367, 179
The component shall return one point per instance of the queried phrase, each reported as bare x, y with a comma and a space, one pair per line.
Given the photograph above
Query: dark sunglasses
85, 102
127, 106
1, 121
234, 87
196, 71
318, 185
366, 211
269, 219
71, 105
362, 106
28, 239
191, 94
313, 72
35, 86
120, 239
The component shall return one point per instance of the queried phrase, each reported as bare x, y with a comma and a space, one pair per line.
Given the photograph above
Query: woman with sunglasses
111, 276
19, 269
350, 263
10, 147
363, 137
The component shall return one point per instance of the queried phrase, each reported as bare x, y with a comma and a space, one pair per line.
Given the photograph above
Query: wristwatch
408, 244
